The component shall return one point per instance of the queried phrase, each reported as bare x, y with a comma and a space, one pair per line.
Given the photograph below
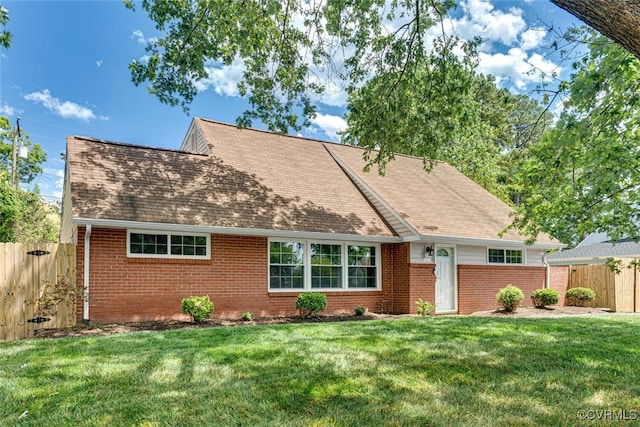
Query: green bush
543, 297
311, 303
425, 308
247, 316
199, 308
579, 296
360, 310
510, 297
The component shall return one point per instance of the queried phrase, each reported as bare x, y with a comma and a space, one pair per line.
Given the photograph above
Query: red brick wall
132, 289
423, 285
399, 278
559, 280
479, 284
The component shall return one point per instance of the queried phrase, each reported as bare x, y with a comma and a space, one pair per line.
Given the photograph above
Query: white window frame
522, 252
168, 234
307, 265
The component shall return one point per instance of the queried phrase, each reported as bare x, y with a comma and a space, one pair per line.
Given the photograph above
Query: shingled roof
251, 179
595, 253
251, 182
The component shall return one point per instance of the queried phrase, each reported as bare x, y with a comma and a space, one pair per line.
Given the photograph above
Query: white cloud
64, 109
139, 37
334, 93
482, 19
516, 68
6, 109
532, 38
223, 79
330, 125
99, 63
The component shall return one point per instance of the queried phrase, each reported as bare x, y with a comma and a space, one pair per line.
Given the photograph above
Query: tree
287, 48
486, 130
23, 215
28, 169
585, 174
5, 36
616, 19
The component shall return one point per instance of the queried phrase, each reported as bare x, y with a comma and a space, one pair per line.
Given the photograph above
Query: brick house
253, 218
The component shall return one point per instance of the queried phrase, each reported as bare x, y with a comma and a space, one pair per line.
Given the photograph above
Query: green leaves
289, 49
29, 168
438, 108
585, 175
5, 36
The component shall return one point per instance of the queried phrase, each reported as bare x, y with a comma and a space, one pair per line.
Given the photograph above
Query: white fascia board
474, 241
258, 232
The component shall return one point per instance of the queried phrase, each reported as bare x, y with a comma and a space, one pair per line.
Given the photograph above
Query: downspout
87, 251
547, 272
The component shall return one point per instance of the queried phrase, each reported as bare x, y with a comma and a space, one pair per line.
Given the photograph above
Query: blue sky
66, 72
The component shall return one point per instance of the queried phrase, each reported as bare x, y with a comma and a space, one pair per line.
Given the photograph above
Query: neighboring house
596, 252
253, 218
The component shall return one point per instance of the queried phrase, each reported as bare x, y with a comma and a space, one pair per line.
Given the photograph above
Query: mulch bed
163, 325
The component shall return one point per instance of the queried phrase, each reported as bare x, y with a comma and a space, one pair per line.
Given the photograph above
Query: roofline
128, 145
306, 138
116, 223
360, 184
436, 238
566, 261
260, 232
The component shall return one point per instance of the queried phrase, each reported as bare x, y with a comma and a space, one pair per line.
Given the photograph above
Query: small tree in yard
510, 297
199, 308
310, 303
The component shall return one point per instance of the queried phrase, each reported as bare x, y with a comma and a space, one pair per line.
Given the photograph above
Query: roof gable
443, 202
252, 179
266, 183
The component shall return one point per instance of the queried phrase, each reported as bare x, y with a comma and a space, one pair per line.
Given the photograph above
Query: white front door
445, 280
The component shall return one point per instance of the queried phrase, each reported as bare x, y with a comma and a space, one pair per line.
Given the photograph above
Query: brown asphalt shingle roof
253, 180
260, 180
443, 202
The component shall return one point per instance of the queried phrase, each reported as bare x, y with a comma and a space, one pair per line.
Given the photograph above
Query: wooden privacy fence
38, 288
617, 291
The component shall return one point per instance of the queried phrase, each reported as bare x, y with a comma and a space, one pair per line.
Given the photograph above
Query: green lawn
466, 371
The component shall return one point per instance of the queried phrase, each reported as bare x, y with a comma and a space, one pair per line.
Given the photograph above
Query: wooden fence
616, 291
38, 288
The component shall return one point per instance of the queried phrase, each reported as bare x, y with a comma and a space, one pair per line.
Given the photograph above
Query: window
505, 256
326, 266
362, 267
286, 265
166, 245
322, 265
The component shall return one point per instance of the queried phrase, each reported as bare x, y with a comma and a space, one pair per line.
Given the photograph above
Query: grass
399, 372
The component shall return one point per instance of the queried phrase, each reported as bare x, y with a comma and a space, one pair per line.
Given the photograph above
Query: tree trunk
617, 19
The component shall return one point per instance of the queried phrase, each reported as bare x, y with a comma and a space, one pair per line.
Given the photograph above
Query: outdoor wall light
428, 250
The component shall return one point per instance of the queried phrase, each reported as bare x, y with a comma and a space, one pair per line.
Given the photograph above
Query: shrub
247, 316
425, 308
579, 296
509, 297
199, 308
544, 297
310, 303
360, 310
